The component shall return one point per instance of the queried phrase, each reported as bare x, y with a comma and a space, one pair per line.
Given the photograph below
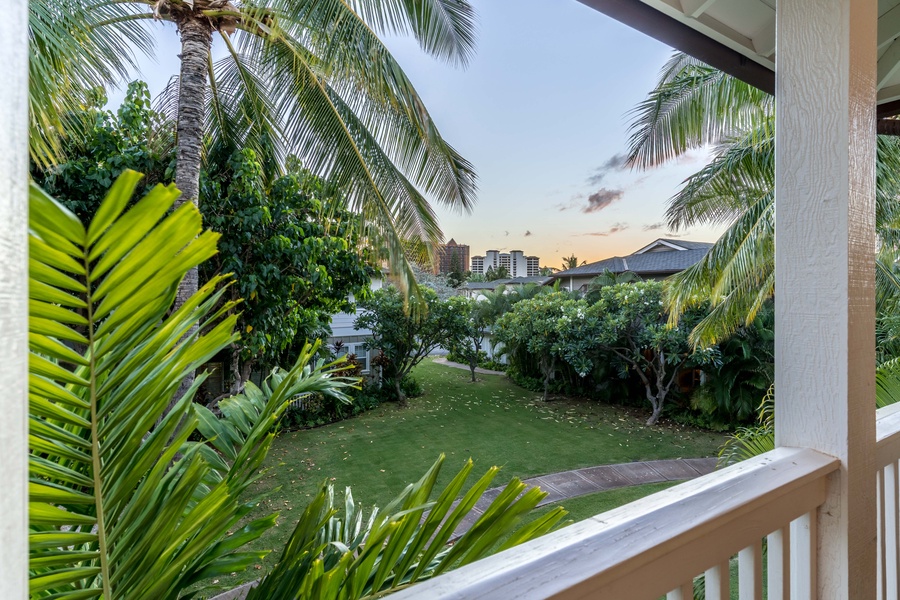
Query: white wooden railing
656, 546
887, 458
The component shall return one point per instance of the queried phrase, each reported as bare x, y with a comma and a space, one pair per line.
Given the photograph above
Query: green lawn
492, 421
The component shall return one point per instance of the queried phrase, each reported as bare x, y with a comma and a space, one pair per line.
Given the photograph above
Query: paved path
456, 365
580, 482
569, 484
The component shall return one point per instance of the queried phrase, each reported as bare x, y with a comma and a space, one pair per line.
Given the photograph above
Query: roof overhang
738, 37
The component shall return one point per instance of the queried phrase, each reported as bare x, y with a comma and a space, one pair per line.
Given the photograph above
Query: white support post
824, 290
13, 299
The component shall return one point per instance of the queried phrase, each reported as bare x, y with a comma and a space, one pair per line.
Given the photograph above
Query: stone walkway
456, 365
580, 482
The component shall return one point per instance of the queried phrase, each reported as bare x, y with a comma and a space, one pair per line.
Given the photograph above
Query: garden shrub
412, 387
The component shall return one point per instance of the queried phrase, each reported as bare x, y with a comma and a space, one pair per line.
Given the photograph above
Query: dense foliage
472, 322
133, 137
294, 251
405, 333
579, 346
290, 241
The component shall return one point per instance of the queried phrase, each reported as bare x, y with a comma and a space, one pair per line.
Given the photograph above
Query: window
359, 350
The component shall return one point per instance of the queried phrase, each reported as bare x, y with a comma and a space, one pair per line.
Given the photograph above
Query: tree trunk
548, 367
401, 397
236, 381
196, 41
472, 366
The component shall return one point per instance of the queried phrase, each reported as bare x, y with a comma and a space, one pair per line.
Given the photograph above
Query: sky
542, 113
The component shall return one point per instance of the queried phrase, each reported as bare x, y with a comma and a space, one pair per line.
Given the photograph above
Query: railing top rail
646, 548
887, 435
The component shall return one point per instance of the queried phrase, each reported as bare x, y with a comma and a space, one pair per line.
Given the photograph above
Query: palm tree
303, 77
694, 105
570, 262
606, 278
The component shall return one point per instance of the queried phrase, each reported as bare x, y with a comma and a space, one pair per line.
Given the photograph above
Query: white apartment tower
515, 261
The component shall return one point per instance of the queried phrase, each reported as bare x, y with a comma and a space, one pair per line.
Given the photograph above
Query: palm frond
350, 556
122, 504
692, 105
443, 28
75, 46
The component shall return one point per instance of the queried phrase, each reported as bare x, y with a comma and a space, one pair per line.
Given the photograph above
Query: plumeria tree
633, 326
539, 327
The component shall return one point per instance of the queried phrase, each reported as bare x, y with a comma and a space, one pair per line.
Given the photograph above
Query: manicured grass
492, 421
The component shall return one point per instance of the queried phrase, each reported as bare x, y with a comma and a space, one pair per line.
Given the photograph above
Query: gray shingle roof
648, 263
490, 285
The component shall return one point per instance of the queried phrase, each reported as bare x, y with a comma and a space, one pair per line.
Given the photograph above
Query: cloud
653, 226
616, 162
601, 199
528, 234
616, 228
572, 203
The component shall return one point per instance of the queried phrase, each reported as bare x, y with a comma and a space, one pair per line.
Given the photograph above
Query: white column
824, 291
13, 300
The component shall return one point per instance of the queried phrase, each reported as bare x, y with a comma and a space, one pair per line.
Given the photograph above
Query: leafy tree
295, 255
634, 327
133, 497
134, 137
546, 271
405, 333
290, 242
466, 337
537, 326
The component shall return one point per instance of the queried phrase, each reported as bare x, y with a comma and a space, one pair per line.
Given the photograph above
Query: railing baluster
778, 544
879, 528
685, 592
718, 582
750, 572
803, 556
890, 531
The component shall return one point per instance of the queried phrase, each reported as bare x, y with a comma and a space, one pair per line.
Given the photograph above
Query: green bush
411, 387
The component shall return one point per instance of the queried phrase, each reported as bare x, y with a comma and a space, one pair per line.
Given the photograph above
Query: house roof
492, 285
662, 257
726, 33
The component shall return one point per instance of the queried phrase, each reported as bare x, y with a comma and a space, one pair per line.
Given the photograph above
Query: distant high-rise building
515, 262
452, 256
477, 264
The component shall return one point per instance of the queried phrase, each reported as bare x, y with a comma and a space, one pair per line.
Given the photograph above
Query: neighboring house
477, 289
354, 340
658, 260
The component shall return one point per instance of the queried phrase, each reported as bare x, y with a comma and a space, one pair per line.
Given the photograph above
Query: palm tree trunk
196, 43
